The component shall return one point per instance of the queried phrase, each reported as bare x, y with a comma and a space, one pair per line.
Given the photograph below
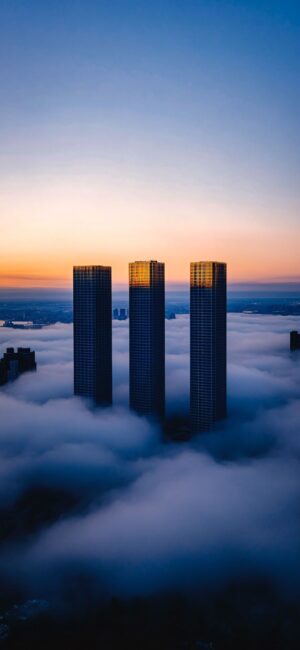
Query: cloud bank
150, 516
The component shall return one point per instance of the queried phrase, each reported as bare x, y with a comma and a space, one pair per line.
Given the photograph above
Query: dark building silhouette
120, 314
294, 340
3, 373
207, 344
147, 337
14, 363
93, 333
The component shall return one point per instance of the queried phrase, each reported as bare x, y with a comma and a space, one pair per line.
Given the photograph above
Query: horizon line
171, 285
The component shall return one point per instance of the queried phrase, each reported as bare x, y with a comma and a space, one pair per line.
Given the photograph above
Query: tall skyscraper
208, 344
147, 337
93, 333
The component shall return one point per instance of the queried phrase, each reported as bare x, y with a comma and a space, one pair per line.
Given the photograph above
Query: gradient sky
165, 129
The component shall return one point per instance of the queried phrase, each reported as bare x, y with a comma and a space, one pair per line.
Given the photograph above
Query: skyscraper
208, 344
147, 337
93, 333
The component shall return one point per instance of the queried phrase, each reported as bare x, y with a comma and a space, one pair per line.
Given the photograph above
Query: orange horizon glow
43, 277
55, 282
51, 227
242, 266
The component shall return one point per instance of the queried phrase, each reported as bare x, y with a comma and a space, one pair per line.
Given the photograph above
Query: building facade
92, 306
147, 337
15, 362
208, 349
294, 340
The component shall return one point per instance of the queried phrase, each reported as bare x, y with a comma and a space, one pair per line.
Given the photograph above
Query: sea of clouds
153, 516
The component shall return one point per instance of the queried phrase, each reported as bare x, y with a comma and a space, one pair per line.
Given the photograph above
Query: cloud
186, 520
152, 516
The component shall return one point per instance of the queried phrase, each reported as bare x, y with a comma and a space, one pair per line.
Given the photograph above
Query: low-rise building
15, 362
294, 340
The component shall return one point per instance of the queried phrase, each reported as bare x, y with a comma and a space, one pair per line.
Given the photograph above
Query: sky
139, 516
134, 130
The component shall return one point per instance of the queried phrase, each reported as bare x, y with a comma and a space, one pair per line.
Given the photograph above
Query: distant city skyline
166, 130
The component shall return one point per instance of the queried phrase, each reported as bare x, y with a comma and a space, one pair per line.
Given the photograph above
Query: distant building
171, 316
208, 344
294, 340
93, 333
15, 362
22, 325
3, 372
147, 337
120, 314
